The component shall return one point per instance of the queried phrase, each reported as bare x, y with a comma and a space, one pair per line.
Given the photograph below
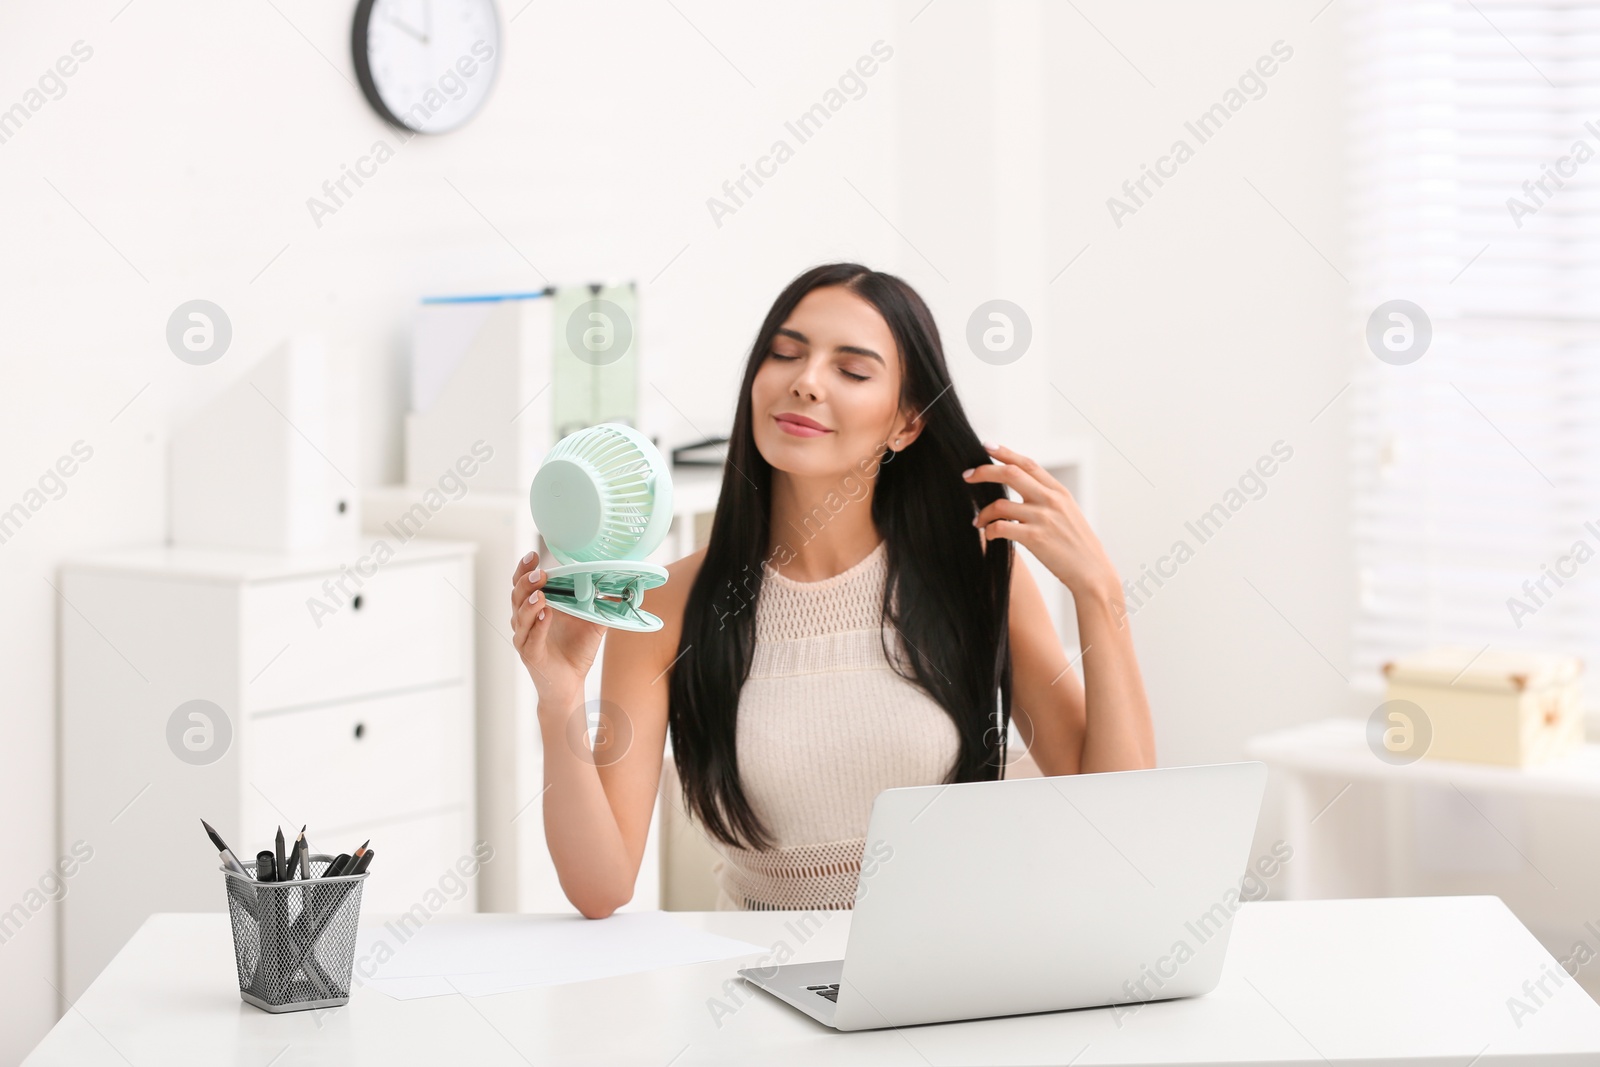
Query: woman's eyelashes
847, 374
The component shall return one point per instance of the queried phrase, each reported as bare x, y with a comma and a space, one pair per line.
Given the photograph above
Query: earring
897, 441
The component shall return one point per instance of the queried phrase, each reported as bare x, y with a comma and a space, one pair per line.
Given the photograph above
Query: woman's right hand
558, 649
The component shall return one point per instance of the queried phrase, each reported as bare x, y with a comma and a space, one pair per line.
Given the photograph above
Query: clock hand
409, 31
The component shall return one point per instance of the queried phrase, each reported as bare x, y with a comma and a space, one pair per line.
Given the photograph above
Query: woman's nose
805, 381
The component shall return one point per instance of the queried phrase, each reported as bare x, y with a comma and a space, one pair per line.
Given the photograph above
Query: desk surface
1306, 982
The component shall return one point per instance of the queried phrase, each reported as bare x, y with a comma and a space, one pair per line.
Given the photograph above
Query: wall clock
426, 65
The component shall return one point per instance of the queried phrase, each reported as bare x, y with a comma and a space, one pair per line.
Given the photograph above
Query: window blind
1474, 156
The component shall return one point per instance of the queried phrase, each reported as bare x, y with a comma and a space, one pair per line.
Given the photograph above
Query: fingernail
541, 617
975, 520
535, 574
529, 557
990, 445
968, 472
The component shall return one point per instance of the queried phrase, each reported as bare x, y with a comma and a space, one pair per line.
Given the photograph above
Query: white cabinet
332, 688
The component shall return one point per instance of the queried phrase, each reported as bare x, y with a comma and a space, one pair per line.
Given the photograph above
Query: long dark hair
946, 597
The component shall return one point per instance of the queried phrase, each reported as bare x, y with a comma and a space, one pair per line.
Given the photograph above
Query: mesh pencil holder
294, 942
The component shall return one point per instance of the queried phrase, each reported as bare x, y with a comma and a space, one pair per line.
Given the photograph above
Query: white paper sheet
499, 953
411, 988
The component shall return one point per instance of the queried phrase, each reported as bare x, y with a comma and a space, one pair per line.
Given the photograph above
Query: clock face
426, 65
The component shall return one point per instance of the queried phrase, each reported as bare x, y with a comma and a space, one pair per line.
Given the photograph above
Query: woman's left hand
1046, 519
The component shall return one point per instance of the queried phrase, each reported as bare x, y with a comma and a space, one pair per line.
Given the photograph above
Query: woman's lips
798, 429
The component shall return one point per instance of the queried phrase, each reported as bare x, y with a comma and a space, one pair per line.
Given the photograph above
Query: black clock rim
364, 72
369, 87
358, 53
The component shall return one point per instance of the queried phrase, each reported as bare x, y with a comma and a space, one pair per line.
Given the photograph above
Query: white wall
178, 164
1208, 326
1198, 333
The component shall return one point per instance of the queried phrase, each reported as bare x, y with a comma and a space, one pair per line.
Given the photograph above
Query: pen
302, 859
274, 918
309, 924
224, 853
265, 871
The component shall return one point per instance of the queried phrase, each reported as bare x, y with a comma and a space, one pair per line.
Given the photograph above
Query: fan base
609, 592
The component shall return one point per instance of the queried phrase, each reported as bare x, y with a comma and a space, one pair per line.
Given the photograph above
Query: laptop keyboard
831, 992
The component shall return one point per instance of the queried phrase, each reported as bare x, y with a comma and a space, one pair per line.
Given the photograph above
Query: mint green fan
602, 499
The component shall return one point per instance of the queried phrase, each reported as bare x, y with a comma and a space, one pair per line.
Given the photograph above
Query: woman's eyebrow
851, 349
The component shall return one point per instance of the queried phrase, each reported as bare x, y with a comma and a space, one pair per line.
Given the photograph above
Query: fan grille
625, 477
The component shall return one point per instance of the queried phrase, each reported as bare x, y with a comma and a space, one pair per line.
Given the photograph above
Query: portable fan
602, 499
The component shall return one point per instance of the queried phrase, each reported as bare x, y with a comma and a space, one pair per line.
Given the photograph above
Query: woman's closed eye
847, 374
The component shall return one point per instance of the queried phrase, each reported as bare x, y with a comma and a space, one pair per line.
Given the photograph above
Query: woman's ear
909, 430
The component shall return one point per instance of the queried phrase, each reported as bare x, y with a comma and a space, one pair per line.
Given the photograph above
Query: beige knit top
824, 724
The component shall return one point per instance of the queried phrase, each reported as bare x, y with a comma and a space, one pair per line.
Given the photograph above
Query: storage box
1501, 706
269, 463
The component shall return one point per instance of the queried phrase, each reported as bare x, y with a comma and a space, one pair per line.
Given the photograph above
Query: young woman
856, 622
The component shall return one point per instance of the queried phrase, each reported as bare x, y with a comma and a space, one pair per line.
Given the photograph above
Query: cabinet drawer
421, 861
406, 625
355, 764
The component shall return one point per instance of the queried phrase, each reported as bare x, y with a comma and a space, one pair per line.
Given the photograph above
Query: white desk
1366, 981
1337, 748
1318, 761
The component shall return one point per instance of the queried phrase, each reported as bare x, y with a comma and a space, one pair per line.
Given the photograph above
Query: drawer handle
361, 728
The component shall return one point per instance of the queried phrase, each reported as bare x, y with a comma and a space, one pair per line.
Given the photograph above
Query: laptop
982, 899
